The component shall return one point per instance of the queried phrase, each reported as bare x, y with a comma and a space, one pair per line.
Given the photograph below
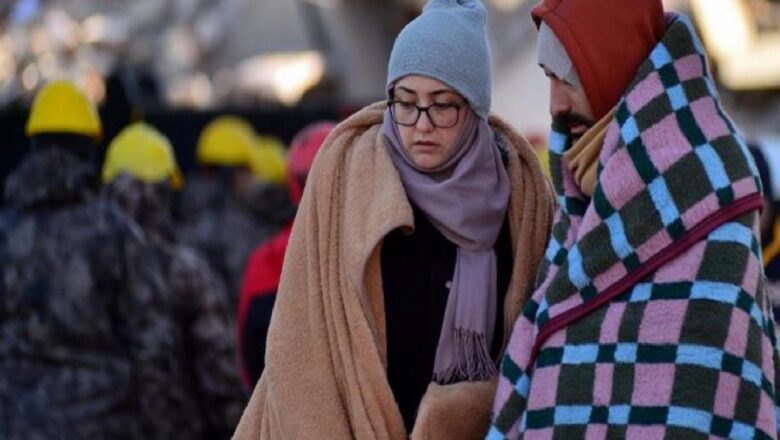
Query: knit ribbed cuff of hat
552, 55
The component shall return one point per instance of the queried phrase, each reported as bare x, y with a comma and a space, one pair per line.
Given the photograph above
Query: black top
416, 270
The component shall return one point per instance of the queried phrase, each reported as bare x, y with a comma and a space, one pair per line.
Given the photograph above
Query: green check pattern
686, 351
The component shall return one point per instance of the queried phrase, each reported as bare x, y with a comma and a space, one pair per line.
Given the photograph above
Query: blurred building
742, 38
155, 57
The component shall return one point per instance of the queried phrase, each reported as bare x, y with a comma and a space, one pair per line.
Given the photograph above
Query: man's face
569, 106
242, 181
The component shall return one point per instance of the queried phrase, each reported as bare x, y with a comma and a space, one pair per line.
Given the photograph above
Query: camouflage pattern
207, 349
199, 194
86, 348
270, 203
226, 228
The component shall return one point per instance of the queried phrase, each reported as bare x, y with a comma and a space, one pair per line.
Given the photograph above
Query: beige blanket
325, 374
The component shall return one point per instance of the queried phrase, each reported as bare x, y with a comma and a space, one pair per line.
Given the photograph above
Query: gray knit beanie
551, 54
447, 42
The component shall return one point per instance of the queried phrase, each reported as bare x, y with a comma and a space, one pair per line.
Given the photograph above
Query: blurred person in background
539, 143
261, 277
769, 170
417, 239
224, 213
268, 195
86, 345
141, 174
651, 318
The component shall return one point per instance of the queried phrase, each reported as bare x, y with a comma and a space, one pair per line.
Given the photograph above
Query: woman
417, 240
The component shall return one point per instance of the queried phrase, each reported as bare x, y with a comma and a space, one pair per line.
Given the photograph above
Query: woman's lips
426, 146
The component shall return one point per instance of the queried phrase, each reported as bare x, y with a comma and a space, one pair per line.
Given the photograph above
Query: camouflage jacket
85, 342
207, 353
226, 229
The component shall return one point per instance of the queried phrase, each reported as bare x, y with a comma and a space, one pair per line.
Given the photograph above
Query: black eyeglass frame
420, 110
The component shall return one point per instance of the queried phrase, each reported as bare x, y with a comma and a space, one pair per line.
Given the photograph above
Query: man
141, 174
225, 213
264, 269
85, 342
650, 319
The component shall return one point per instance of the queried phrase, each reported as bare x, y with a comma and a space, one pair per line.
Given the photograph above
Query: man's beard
566, 121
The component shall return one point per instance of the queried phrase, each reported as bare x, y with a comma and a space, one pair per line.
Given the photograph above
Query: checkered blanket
650, 319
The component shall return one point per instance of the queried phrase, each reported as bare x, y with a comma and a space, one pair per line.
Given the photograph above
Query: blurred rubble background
283, 63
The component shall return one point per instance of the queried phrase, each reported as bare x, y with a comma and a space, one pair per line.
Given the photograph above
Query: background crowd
155, 160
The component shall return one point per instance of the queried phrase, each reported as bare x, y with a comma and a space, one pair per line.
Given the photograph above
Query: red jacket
256, 301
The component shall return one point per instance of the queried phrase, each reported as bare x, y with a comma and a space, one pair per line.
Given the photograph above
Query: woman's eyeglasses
441, 115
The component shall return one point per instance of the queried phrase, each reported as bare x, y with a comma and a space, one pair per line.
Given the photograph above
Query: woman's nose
424, 122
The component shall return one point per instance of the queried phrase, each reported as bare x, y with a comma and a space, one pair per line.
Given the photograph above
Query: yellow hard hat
269, 162
144, 153
60, 107
226, 141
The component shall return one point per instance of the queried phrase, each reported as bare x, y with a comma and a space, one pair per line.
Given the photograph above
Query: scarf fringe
472, 360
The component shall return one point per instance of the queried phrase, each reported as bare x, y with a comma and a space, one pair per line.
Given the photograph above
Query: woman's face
426, 143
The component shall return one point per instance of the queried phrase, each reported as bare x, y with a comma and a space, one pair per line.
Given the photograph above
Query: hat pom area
447, 42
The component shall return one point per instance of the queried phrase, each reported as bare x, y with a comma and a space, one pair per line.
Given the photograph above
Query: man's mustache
565, 121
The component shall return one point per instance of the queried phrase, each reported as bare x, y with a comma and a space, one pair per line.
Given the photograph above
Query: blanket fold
651, 291
325, 373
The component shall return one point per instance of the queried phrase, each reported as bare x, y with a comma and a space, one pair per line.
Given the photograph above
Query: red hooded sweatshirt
606, 40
